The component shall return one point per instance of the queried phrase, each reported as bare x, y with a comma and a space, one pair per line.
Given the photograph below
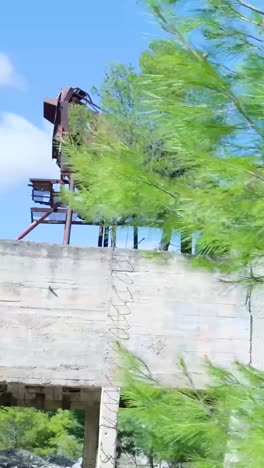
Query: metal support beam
106, 236
68, 222
113, 236
135, 243
100, 236
33, 225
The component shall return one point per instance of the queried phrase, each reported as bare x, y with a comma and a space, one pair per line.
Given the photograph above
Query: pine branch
251, 7
173, 31
254, 38
152, 184
240, 109
241, 75
258, 176
248, 20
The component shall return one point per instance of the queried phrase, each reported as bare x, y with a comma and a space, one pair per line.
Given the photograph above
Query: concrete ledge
62, 308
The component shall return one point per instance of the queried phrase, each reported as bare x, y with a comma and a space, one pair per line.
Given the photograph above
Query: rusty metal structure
56, 111
46, 192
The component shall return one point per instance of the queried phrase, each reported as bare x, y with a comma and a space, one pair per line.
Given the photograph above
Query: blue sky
45, 46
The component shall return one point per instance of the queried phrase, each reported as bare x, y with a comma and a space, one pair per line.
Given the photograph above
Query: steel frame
43, 192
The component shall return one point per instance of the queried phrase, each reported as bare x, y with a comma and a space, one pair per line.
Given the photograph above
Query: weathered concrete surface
109, 406
62, 308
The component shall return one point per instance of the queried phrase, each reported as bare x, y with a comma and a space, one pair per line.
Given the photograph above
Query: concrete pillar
108, 427
91, 429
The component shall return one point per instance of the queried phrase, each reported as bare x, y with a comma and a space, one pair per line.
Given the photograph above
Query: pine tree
196, 427
201, 96
55, 432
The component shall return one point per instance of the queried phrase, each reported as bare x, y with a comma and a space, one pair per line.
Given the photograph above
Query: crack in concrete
53, 292
248, 304
10, 300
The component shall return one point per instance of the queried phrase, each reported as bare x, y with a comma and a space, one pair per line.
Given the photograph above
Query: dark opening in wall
43, 425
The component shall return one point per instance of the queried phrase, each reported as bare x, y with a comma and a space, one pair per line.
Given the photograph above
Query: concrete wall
62, 308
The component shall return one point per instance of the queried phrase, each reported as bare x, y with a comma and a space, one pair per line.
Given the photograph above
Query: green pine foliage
197, 428
43, 433
180, 144
188, 157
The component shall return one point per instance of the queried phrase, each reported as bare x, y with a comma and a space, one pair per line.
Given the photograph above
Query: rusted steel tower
46, 192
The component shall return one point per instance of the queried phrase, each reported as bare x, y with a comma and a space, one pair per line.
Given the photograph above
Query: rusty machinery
46, 192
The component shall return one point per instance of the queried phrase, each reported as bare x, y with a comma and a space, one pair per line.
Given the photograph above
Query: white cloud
8, 75
25, 151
